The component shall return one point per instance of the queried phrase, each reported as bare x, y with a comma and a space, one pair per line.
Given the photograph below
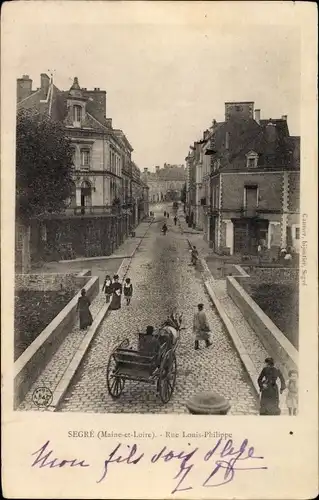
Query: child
107, 287
292, 395
83, 307
128, 291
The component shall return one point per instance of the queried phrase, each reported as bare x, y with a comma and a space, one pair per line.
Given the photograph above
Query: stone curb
239, 346
72, 368
88, 259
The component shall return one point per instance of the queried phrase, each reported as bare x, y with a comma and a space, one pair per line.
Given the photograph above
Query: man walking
201, 327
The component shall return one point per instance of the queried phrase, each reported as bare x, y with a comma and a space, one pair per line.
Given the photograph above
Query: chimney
24, 87
45, 82
257, 115
227, 141
284, 117
271, 132
96, 88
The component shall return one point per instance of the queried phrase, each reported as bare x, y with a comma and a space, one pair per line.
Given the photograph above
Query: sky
165, 81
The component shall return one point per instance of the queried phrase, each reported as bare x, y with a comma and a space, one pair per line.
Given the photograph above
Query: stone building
102, 154
254, 189
104, 174
165, 184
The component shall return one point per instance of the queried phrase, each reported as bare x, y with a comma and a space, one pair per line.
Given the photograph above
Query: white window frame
245, 194
252, 155
77, 108
83, 151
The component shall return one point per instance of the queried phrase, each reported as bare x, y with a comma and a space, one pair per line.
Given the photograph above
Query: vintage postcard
159, 250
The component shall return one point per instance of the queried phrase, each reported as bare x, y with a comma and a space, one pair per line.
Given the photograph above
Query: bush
33, 312
43, 165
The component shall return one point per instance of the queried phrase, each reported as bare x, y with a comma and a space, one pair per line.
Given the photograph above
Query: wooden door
240, 237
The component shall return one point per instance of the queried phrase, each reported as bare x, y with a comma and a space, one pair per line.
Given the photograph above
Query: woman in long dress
267, 381
83, 306
116, 294
201, 327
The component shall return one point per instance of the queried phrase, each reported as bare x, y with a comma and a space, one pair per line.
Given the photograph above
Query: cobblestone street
163, 279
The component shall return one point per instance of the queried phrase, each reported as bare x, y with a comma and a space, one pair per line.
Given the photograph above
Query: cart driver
149, 341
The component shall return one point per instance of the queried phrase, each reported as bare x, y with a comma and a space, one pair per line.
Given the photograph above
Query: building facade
109, 197
102, 162
254, 191
165, 184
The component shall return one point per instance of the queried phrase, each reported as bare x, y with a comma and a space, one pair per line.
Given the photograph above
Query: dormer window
77, 115
252, 159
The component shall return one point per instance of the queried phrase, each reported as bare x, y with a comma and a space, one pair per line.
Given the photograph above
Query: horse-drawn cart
153, 362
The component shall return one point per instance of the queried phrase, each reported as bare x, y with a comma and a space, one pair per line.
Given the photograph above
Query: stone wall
273, 274
33, 360
273, 340
48, 282
73, 237
294, 192
269, 190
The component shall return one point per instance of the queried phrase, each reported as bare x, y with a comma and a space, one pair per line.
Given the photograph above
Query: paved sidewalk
254, 349
54, 371
194, 237
250, 341
163, 279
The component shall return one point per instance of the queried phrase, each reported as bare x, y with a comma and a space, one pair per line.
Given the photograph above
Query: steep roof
55, 105
269, 138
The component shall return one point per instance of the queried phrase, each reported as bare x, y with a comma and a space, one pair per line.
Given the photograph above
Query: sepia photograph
160, 235
143, 264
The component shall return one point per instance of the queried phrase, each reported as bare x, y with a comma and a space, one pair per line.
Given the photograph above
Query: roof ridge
33, 93
101, 124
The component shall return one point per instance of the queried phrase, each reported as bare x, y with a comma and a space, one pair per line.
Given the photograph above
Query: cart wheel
167, 376
115, 385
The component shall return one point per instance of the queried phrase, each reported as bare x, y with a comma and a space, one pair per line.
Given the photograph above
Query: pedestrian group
267, 380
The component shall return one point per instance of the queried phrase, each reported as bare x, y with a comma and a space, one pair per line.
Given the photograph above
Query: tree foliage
183, 194
43, 165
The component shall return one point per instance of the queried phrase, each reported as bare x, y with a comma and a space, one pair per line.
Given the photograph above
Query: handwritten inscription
225, 458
